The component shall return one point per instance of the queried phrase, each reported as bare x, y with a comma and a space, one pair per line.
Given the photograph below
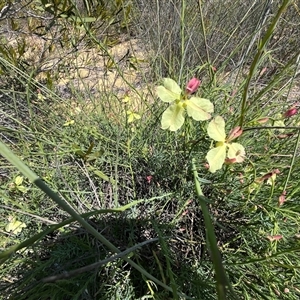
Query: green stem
221, 277
257, 57
270, 127
204, 32
292, 162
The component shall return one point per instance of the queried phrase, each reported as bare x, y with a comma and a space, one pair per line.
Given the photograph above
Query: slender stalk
204, 31
270, 127
182, 38
257, 57
293, 161
221, 278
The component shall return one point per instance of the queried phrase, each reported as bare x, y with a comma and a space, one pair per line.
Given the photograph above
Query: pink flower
149, 178
192, 85
291, 112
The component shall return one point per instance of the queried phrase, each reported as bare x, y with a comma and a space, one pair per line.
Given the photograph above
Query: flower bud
273, 238
230, 161
192, 85
282, 198
291, 112
263, 120
234, 133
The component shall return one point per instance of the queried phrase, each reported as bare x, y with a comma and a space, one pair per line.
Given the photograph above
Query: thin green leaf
103, 176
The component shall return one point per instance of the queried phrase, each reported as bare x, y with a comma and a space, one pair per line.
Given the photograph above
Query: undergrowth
87, 120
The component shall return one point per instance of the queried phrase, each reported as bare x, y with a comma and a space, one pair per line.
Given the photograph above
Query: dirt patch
80, 71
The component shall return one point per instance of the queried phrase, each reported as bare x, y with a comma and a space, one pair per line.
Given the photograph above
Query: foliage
207, 208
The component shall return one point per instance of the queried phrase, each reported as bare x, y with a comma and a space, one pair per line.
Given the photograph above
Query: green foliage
105, 155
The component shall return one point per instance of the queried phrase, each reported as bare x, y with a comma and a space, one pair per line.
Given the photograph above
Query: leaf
19, 180
203, 180
236, 151
199, 108
14, 226
80, 20
21, 188
216, 158
170, 91
95, 155
77, 150
216, 129
103, 176
173, 117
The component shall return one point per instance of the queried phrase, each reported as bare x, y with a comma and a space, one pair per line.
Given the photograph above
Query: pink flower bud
192, 85
282, 198
263, 120
273, 238
267, 176
234, 133
230, 161
291, 112
263, 71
